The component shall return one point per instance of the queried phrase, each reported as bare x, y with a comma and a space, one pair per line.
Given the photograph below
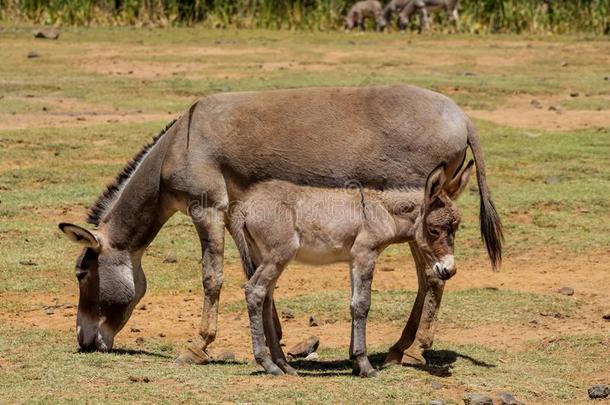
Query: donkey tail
238, 231
491, 225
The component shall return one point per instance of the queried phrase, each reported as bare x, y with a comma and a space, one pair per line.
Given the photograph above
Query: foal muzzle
445, 268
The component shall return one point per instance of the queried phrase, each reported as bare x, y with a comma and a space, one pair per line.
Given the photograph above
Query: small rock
170, 259
287, 314
555, 108
606, 77
135, 330
312, 356
472, 398
606, 316
162, 335
313, 321
47, 33
226, 356
565, 64
436, 385
142, 307
599, 391
33, 54
387, 269
139, 340
566, 291
49, 311
551, 180
139, 379
574, 94
536, 104
436, 402
305, 348
330, 321
506, 398
28, 262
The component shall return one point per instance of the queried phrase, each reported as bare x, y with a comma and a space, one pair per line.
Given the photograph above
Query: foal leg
210, 227
362, 267
272, 336
418, 333
257, 289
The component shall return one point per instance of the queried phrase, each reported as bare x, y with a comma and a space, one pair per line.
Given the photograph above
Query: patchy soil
176, 317
534, 112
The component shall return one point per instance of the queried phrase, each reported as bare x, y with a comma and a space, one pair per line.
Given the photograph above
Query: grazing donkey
362, 10
279, 221
406, 9
382, 137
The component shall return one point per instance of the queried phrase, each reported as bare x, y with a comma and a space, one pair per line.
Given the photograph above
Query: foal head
111, 283
439, 219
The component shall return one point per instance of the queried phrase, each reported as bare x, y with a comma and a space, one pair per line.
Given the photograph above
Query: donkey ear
456, 186
434, 183
80, 235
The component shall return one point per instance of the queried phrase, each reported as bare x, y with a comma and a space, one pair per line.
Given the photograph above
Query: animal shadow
130, 352
438, 363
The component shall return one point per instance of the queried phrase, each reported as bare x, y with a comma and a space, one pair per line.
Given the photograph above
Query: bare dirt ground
176, 317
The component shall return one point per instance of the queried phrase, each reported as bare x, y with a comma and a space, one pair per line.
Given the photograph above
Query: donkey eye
433, 232
80, 274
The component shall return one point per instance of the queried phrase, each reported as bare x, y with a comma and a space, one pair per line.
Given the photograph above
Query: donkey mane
113, 189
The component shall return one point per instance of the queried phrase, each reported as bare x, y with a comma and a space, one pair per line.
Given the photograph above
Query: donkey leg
417, 336
273, 336
210, 227
257, 289
363, 265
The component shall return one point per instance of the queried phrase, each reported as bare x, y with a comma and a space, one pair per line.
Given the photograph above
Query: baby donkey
279, 221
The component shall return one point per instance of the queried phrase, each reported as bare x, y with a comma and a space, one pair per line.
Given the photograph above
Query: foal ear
434, 183
456, 186
80, 235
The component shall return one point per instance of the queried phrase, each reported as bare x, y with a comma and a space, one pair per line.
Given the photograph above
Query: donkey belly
321, 252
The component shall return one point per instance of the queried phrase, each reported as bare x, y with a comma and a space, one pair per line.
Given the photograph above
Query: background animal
363, 10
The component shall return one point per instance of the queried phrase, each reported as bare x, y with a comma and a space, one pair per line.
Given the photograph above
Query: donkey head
111, 283
440, 218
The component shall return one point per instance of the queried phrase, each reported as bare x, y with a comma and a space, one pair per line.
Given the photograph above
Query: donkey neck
140, 208
405, 206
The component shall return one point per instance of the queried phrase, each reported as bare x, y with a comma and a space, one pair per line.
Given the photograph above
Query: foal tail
238, 231
491, 226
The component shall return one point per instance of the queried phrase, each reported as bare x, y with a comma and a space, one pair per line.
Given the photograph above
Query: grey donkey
405, 9
362, 10
279, 221
380, 136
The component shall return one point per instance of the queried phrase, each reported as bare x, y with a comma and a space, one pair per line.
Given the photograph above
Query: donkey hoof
288, 369
393, 359
190, 356
414, 359
370, 373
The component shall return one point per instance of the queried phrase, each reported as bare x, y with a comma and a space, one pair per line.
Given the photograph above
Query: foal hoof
270, 367
193, 356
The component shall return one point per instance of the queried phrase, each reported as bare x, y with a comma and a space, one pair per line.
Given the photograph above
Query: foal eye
80, 274
433, 232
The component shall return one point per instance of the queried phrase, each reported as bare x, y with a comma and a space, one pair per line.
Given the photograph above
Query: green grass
50, 173
41, 367
464, 308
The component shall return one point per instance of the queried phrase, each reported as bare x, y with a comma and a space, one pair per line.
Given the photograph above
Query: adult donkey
381, 137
